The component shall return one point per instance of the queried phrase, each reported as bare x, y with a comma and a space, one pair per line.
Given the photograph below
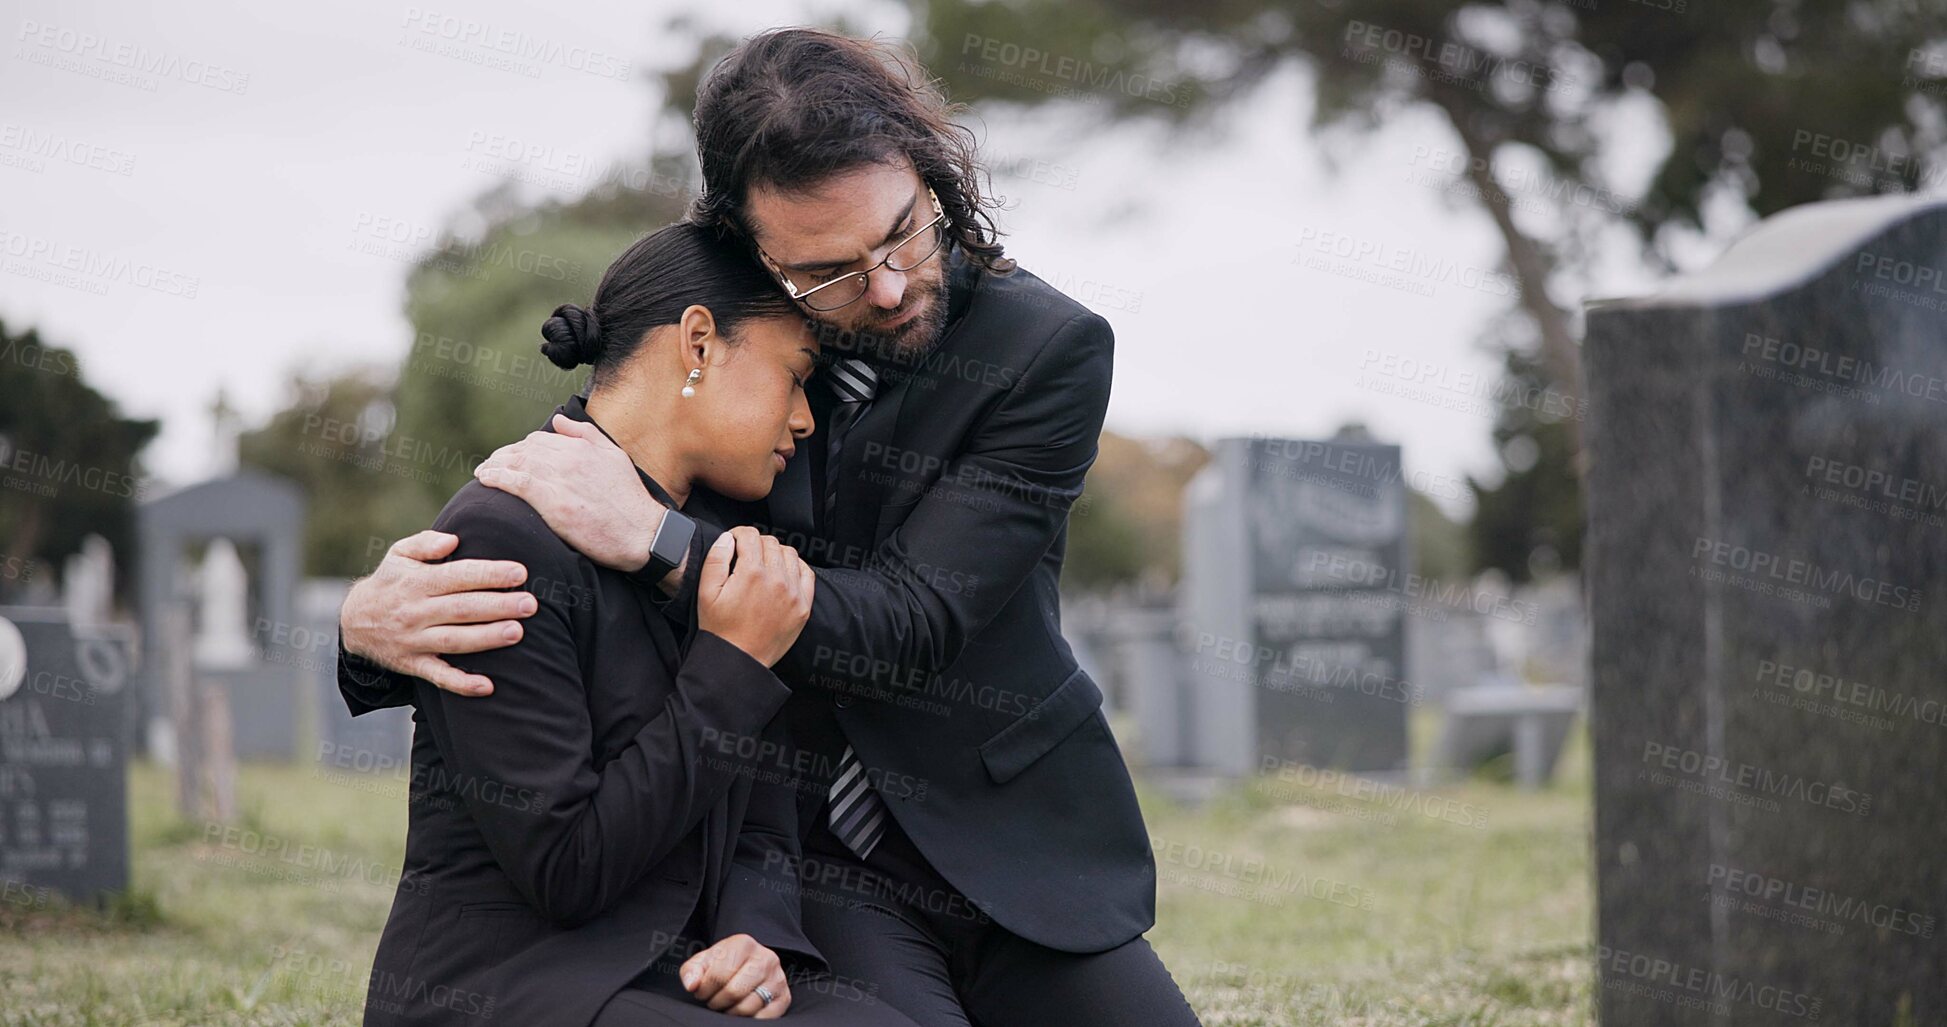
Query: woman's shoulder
497, 525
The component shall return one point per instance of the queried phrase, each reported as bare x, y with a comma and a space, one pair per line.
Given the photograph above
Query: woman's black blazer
564, 829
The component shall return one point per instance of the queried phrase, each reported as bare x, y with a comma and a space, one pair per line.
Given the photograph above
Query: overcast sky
188, 195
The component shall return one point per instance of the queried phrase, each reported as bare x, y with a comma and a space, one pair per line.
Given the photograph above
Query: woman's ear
699, 337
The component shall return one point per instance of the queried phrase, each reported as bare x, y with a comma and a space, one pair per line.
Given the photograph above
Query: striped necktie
857, 814
854, 382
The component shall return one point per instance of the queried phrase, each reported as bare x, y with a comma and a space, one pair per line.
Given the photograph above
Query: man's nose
885, 288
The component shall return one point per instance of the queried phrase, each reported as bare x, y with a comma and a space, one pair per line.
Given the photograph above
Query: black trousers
895, 929
656, 998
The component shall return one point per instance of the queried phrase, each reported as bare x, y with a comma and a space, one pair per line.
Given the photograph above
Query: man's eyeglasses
846, 289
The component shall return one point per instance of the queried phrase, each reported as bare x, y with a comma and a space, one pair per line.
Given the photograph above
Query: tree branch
1559, 352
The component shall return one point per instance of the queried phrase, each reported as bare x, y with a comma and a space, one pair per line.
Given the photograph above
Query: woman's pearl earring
689, 384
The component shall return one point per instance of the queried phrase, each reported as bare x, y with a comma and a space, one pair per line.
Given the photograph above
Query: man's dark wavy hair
790, 108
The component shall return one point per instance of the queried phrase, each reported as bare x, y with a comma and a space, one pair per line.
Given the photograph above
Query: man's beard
902, 345
916, 336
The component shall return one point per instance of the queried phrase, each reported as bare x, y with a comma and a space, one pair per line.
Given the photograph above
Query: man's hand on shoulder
584, 487
410, 611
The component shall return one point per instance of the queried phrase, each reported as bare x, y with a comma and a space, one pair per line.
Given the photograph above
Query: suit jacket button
842, 702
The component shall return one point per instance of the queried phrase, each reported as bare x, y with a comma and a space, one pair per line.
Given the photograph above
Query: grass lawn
1281, 903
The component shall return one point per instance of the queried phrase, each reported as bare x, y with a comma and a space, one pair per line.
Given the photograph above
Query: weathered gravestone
63, 753
1141, 642
1767, 559
264, 514
1294, 600
1445, 654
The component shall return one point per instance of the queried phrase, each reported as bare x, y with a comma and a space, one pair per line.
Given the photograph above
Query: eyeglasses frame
791, 288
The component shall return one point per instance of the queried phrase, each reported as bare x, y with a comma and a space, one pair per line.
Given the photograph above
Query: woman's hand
763, 604
726, 977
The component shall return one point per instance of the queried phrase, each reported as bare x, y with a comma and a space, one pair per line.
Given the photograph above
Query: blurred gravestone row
230, 657
1302, 635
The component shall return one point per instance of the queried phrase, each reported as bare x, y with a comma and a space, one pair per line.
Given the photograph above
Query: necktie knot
854, 380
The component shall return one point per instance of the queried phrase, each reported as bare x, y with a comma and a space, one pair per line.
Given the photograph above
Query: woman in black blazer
585, 845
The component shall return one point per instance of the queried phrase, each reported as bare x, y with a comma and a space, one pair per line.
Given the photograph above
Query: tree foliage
332, 440
1763, 106
470, 379
68, 460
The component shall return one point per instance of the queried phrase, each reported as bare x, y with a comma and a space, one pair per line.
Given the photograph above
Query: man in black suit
975, 848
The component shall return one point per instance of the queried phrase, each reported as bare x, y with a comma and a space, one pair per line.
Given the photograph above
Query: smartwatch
671, 544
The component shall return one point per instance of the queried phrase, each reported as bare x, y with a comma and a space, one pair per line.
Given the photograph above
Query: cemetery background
1354, 683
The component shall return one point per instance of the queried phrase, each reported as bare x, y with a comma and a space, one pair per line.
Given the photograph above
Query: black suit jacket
935, 637
567, 829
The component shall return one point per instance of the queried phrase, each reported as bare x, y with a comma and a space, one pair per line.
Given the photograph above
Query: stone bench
1531, 720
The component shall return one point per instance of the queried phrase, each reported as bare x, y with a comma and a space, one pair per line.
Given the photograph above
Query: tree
1745, 93
474, 378
1529, 523
332, 440
470, 379
68, 459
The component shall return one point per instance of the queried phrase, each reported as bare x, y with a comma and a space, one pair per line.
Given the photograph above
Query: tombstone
1767, 570
222, 639
379, 742
1295, 590
1149, 674
1529, 722
1084, 619
1557, 648
1090, 661
1446, 654
249, 509
63, 754
88, 583
1545, 635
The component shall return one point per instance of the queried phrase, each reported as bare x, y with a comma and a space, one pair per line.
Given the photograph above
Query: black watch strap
671, 544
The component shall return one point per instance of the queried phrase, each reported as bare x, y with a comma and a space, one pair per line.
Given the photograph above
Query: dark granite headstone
1296, 587
1767, 561
63, 754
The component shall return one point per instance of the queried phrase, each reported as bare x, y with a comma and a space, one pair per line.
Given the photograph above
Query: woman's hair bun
572, 336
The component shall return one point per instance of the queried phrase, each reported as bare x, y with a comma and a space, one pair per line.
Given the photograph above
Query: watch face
671, 542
